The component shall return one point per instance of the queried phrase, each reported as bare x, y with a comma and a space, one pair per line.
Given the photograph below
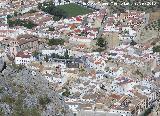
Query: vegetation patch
51, 29
1, 89
36, 53
101, 42
18, 22
55, 42
18, 67
66, 92
101, 45
43, 101
1, 112
118, 6
63, 11
156, 49
73, 10
51, 9
8, 99
155, 25
65, 56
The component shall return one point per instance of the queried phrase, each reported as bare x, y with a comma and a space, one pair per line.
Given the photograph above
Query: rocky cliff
1, 65
25, 92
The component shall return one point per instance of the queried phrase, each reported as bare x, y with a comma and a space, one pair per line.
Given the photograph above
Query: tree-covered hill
140, 5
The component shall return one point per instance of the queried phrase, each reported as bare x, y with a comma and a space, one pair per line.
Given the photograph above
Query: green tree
19, 22
8, 99
53, 55
1, 89
44, 100
66, 55
32, 11
156, 49
55, 42
9, 16
46, 58
35, 53
66, 92
39, 5
51, 29
86, 1
50, 8
133, 43
15, 13
55, 18
158, 26
1, 112
101, 42
40, 63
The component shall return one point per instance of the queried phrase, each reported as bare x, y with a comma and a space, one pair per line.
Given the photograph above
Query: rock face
1, 64
24, 91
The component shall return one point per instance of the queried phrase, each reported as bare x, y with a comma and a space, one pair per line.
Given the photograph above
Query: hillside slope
26, 93
147, 6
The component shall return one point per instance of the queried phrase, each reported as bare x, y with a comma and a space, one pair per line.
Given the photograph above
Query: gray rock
1, 64
29, 88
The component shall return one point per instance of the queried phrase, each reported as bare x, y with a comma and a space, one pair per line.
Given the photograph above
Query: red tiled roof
78, 19
81, 45
23, 55
114, 96
77, 31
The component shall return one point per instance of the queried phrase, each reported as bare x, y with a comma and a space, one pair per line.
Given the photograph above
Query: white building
59, 50
23, 58
111, 28
80, 40
121, 112
130, 31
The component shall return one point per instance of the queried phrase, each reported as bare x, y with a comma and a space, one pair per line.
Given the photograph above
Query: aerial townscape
79, 57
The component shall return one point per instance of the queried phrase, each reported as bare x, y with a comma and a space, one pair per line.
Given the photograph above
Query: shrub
66, 92
101, 42
55, 42
44, 100
8, 99
156, 49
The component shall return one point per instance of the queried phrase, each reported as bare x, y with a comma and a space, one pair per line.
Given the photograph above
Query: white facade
60, 51
13, 33
22, 61
79, 40
76, 53
130, 31
26, 9
111, 28
53, 79
3, 27
121, 112
23, 58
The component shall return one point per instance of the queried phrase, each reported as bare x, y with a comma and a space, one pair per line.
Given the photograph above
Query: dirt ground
154, 16
148, 35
